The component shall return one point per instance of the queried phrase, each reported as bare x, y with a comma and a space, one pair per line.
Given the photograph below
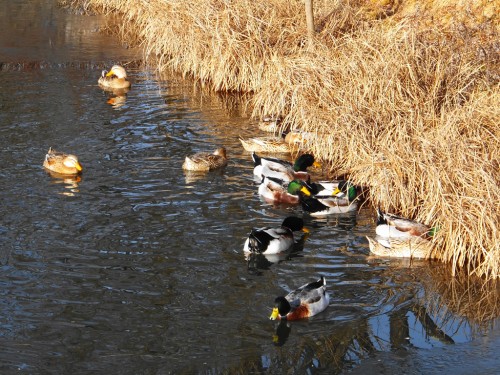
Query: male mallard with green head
274, 240
308, 300
274, 190
401, 237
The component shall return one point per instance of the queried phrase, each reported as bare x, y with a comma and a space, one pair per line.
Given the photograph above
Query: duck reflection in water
256, 263
282, 332
116, 97
117, 101
69, 182
195, 176
346, 221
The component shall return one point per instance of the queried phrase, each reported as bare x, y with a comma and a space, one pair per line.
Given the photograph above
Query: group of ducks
284, 182
63, 164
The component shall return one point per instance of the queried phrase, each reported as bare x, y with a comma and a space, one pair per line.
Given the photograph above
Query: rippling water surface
137, 267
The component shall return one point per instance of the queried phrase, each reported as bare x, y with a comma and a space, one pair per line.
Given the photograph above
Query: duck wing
330, 201
260, 160
308, 293
277, 172
402, 224
267, 161
274, 183
324, 188
311, 205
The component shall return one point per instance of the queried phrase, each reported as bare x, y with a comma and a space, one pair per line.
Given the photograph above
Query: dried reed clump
402, 105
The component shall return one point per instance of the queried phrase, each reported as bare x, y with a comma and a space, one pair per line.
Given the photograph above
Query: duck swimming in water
116, 78
308, 300
203, 161
277, 191
62, 163
410, 247
400, 237
274, 240
276, 145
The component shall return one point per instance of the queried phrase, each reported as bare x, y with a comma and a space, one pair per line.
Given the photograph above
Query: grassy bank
403, 96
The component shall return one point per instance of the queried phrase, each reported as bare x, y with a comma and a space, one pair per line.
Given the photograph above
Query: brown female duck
62, 163
203, 161
116, 78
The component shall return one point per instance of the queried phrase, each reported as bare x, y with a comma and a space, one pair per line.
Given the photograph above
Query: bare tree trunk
310, 19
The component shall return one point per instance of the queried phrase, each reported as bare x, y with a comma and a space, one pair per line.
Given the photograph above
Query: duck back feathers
390, 225
203, 161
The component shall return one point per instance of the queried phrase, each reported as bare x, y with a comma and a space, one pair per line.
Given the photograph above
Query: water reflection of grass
460, 299
437, 312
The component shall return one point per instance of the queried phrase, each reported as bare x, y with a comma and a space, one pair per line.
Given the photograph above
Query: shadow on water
138, 266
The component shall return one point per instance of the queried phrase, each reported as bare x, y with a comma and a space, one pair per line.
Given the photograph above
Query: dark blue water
137, 267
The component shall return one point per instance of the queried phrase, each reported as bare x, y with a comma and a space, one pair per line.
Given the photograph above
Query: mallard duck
304, 302
116, 78
62, 163
410, 247
270, 124
274, 190
203, 161
283, 169
274, 240
340, 200
392, 226
275, 145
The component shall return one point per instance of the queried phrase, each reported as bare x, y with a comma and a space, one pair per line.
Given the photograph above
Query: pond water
137, 267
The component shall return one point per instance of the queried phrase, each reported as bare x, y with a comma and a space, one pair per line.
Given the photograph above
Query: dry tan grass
402, 101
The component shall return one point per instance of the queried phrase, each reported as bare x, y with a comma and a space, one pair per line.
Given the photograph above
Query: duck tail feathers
381, 217
256, 159
253, 245
316, 284
258, 241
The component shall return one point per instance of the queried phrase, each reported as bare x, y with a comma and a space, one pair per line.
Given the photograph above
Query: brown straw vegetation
403, 96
